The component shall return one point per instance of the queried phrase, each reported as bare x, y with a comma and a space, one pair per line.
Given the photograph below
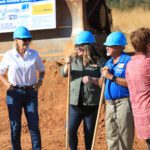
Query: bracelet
41, 79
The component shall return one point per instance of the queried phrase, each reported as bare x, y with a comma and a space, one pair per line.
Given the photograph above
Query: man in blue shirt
119, 118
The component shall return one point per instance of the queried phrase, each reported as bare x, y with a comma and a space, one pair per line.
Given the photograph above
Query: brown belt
116, 101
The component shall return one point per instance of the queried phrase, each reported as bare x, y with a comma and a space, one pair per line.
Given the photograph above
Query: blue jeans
27, 99
148, 143
77, 114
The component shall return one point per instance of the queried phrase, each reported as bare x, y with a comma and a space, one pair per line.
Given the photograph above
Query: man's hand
106, 74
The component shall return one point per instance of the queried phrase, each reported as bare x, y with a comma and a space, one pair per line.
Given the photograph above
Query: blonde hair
88, 56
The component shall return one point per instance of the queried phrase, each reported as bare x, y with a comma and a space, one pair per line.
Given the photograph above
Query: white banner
33, 14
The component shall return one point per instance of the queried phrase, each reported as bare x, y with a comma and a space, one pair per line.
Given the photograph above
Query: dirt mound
52, 112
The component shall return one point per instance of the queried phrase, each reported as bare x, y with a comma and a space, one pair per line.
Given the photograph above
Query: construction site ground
52, 114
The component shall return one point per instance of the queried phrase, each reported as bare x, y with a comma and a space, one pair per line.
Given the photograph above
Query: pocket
72, 93
9, 97
34, 90
10, 92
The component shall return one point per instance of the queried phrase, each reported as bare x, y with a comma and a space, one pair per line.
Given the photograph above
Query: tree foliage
127, 4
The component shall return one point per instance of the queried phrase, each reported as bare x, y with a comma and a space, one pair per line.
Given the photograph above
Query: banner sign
33, 14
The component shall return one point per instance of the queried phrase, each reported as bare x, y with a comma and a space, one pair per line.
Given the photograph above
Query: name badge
121, 65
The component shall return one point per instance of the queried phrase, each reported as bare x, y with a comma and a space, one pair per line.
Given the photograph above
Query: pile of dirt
52, 112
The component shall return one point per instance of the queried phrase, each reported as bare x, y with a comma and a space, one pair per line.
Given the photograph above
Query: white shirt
21, 70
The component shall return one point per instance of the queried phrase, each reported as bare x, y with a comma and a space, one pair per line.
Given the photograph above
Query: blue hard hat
116, 38
84, 37
22, 33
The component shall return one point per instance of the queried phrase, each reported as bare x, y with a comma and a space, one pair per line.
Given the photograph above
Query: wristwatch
40, 79
114, 78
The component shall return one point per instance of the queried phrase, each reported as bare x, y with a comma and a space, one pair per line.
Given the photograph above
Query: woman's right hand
68, 60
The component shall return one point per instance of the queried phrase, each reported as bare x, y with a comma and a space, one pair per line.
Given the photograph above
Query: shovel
98, 113
67, 109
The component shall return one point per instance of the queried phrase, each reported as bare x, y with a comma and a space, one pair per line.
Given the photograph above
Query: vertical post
78, 14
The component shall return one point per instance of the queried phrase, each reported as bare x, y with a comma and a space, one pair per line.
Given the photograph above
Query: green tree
127, 4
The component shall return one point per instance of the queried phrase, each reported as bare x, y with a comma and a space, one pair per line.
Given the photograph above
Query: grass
130, 20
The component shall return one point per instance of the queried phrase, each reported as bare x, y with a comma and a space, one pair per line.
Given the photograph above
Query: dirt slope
52, 108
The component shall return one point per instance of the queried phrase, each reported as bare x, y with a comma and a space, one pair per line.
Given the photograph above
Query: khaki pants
119, 125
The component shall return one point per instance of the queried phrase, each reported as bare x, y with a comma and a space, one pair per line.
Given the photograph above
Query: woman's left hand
86, 79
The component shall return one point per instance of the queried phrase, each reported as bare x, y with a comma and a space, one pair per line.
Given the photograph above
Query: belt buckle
22, 87
113, 102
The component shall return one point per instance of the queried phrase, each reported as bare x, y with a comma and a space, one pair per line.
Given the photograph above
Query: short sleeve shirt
21, 70
113, 90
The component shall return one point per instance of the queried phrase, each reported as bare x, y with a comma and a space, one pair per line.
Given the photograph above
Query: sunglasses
79, 46
113, 46
25, 39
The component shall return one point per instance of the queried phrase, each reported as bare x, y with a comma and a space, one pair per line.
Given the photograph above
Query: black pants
148, 143
88, 115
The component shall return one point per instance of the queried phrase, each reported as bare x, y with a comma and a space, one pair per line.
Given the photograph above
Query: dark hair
139, 39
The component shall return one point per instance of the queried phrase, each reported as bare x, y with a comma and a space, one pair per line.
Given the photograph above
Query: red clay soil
52, 112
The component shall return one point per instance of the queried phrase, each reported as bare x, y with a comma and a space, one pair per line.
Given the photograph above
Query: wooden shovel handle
98, 114
67, 109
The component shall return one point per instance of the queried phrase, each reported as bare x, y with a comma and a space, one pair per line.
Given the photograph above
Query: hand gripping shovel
67, 109
98, 114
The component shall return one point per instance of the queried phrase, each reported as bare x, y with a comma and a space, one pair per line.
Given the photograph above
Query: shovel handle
68, 108
98, 114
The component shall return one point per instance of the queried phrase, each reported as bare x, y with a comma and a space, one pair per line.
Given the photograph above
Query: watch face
114, 78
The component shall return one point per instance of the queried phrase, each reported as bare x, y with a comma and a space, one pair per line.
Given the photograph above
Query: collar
121, 58
138, 57
27, 52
